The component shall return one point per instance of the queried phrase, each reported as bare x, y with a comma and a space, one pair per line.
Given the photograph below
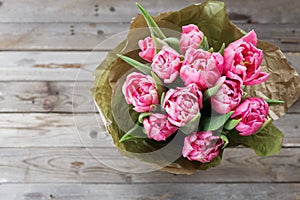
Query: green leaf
215, 122
213, 90
162, 97
211, 50
245, 95
265, 143
173, 43
204, 44
232, 123
143, 115
268, 121
224, 137
158, 83
158, 43
136, 64
128, 135
133, 134
153, 27
176, 83
192, 125
274, 101
221, 51
242, 31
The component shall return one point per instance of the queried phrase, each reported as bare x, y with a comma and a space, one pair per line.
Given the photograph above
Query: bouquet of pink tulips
208, 88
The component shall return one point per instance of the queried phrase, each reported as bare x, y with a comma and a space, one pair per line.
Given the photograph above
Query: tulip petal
262, 77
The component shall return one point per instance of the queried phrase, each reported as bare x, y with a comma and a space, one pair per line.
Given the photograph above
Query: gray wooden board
49, 65
48, 96
150, 191
77, 165
87, 36
63, 65
66, 130
122, 11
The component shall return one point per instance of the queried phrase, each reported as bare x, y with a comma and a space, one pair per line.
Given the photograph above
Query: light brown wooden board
87, 36
276, 11
151, 191
74, 165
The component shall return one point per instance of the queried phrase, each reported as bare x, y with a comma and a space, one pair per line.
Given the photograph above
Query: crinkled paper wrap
211, 18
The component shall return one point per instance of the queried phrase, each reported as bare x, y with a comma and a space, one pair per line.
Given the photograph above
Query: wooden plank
63, 65
295, 108
73, 165
65, 36
46, 97
49, 66
87, 36
289, 125
66, 130
122, 11
53, 97
151, 191
294, 60
51, 130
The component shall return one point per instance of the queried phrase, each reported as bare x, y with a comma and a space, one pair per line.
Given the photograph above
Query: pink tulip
244, 59
228, 96
166, 64
158, 127
182, 104
140, 91
148, 49
201, 67
253, 112
191, 37
202, 146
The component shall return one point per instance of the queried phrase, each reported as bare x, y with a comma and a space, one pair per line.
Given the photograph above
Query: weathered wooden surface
258, 11
59, 130
151, 191
76, 165
49, 96
46, 116
87, 36
49, 65
63, 65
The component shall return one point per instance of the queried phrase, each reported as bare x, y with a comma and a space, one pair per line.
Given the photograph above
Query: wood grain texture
87, 36
59, 36
77, 165
63, 65
122, 11
66, 130
49, 96
49, 66
51, 130
46, 97
151, 192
